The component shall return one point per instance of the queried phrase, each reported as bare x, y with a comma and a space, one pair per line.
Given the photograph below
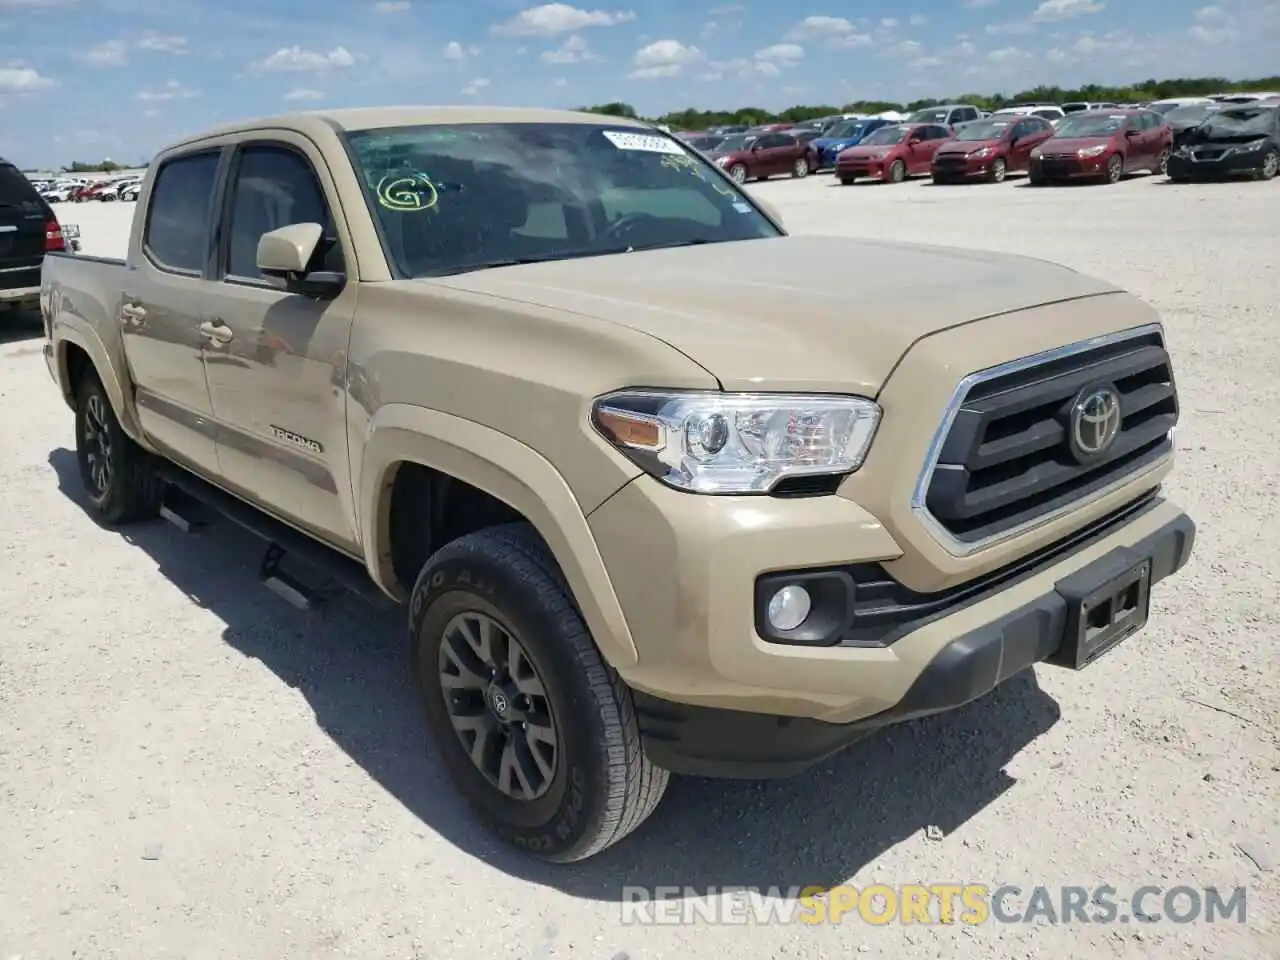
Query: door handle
216, 331
133, 314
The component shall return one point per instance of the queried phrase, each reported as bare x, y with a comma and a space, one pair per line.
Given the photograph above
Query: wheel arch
76, 349
404, 436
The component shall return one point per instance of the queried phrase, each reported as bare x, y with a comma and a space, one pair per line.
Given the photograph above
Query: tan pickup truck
664, 488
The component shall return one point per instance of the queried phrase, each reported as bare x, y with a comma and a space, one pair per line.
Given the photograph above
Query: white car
1050, 111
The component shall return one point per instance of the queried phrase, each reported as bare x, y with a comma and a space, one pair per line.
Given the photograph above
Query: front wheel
897, 171
738, 172
1115, 168
1270, 166
537, 731
847, 181
118, 475
996, 172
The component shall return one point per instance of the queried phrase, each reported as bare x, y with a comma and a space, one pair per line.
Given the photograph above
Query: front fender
506, 469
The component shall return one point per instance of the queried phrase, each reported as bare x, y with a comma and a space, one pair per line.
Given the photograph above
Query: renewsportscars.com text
939, 903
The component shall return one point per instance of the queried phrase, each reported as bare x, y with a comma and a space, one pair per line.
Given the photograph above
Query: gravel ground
190, 768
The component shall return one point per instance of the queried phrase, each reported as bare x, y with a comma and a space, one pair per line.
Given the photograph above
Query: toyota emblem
1095, 422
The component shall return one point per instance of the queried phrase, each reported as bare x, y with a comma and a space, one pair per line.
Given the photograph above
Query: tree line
691, 118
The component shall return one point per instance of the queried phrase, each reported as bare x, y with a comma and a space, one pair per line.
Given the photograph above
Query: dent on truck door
277, 361
162, 296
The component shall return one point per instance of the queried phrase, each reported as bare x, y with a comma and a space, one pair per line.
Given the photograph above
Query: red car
1103, 145
893, 153
746, 156
990, 148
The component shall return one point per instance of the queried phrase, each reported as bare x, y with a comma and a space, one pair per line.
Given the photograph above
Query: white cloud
903, 48
115, 53
664, 58
574, 50
918, 20
978, 4
889, 23
17, 78
836, 31
783, 54
162, 43
475, 86
304, 93
725, 10
172, 90
453, 50
109, 53
552, 18
926, 63
1007, 55
1014, 28
391, 6
296, 59
1055, 10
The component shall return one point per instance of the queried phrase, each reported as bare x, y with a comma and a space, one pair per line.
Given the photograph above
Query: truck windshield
454, 198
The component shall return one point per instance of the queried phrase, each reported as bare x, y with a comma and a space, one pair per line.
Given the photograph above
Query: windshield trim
396, 270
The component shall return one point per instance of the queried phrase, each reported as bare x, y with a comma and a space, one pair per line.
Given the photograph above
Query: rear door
23, 218
163, 296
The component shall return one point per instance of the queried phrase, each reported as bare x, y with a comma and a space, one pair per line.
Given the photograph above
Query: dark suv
28, 230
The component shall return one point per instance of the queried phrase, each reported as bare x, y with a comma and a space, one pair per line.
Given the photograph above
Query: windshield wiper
559, 255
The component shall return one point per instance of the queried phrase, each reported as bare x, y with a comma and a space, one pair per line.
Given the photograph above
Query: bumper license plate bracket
1107, 601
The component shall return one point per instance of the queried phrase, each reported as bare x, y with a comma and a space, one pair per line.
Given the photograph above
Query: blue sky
86, 79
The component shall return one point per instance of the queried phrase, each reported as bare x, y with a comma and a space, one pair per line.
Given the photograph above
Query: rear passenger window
275, 187
179, 215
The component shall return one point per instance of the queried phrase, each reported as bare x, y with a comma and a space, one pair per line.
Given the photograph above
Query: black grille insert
1006, 459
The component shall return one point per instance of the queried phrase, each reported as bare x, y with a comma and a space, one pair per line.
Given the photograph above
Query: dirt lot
190, 768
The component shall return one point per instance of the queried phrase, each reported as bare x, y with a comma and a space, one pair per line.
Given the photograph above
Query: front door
159, 313
277, 361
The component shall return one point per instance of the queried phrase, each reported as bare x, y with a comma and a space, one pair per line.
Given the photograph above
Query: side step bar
187, 502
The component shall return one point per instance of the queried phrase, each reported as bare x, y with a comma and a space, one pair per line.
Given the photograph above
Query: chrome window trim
961, 548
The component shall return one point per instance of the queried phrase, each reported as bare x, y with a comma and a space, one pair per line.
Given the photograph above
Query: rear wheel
1162, 164
801, 168
739, 173
847, 181
897, 171
537, 731
118, 475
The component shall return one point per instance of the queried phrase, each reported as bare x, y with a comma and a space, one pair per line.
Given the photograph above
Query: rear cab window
180, 214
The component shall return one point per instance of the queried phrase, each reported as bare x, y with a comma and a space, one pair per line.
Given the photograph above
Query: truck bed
85, 289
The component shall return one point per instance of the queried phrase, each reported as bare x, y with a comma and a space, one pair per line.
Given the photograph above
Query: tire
996, 172
1115, 168
897, 172
1036, 180
739, 173
940, 179
601, 786
847, 181
119, 477
1270, 166
801, 168
1162, 164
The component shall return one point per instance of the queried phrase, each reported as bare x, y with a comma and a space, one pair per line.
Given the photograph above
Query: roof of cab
373, 118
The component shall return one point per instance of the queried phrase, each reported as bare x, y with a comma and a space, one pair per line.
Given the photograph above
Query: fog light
789, 607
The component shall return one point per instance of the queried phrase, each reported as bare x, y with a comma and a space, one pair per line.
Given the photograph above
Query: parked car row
80, 190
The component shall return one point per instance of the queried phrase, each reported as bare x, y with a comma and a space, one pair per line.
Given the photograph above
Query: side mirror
770, 210
1132, 133
285, 254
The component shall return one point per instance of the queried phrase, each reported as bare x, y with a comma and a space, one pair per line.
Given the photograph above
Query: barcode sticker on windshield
640, 141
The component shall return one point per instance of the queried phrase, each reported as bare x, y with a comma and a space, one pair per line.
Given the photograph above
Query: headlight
1097, 151
1251, 147
982, 152
1035, 153
737, 442
721, 161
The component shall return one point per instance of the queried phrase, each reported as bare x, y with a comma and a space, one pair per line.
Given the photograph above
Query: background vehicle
1182, 120
948, 114
842, 136
1081, 106
1103, 145
28, 230
1238, 139
1163, 107
893, 153
765, 156
589, 608
704, 143
1049, 111
990, 148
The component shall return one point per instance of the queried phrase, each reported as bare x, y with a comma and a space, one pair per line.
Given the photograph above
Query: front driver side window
274, 187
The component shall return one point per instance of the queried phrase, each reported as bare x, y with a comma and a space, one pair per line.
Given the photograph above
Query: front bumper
1069, 168
1215, 162
860, 168
714, 698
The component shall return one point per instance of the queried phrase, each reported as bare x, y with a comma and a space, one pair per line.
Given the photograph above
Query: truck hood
830, 314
